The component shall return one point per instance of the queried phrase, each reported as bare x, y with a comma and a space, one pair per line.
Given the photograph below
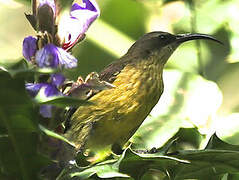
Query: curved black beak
180, 38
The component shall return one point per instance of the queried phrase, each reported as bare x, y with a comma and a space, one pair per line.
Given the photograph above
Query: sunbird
114, 114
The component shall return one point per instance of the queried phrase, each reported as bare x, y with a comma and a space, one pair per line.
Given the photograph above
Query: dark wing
112, 70
109, 75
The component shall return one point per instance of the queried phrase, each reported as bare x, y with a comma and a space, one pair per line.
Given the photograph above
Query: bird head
163, 44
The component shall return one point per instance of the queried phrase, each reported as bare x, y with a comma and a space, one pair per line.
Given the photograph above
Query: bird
114, 114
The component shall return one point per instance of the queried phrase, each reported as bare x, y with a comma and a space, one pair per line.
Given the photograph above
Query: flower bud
46, 15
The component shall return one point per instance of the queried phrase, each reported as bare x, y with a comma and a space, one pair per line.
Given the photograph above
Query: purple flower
42, 52
48, 90
29, 47
53, 56
81, 17
46, 111
57, 79
43, 19
33, 89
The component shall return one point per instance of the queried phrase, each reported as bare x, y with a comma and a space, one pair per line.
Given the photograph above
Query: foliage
178, 140
215, 160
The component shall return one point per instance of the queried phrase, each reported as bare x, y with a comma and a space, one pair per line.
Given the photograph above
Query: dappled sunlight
188, 101
10, 4
227, 127
101, 126
162, 17
15, 29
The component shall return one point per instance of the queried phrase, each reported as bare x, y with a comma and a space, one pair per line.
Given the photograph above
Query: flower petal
48, 89
51, 90
66, 59
53, 56
87, 4
57, 79
81, 17
47, 56
46, 111
29, 47
33, 89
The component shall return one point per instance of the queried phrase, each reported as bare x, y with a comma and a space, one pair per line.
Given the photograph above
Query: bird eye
162, 37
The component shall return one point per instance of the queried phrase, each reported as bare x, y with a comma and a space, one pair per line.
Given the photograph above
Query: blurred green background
201, 78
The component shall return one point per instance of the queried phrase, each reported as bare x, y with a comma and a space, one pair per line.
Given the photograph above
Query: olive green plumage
115, 114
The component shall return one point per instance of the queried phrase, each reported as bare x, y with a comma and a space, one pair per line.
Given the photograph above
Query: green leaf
19, 132
19, 157
205, 164
136, 164
185, 138
53, 134
21, 64
216, 159
106, 169
233, 176
25, 70
30, 72
103, 170
129, 163
16, 105
216, 143
61, 101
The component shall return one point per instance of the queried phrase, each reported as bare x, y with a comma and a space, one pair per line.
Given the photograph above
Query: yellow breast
115, 114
